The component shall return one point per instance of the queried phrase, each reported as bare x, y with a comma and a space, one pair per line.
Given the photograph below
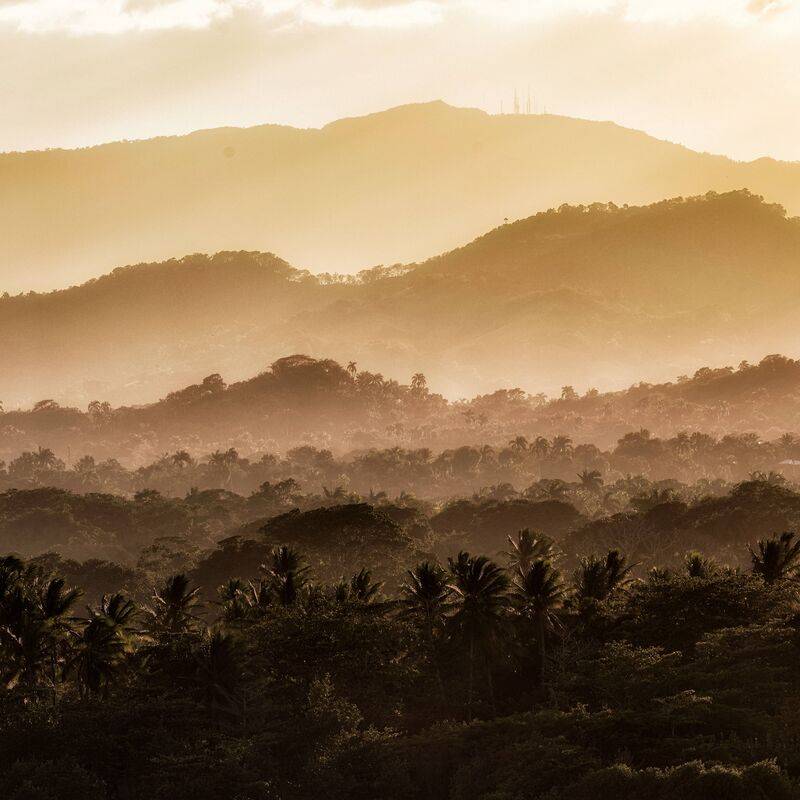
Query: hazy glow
716, 75
91, 17
122, 16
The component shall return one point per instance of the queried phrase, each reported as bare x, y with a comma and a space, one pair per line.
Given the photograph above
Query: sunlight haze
89, 71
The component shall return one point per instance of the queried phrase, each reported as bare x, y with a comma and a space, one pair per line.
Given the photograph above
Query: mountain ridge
616, 294
393, 186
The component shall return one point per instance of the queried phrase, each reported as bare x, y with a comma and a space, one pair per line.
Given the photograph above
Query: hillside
319, 407
394, 186
594, 296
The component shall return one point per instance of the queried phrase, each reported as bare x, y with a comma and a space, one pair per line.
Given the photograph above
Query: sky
717, 75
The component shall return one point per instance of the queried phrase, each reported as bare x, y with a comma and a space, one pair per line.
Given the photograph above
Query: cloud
86, 17
111, 16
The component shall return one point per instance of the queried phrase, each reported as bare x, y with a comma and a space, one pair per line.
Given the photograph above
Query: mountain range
596, 295
395, 186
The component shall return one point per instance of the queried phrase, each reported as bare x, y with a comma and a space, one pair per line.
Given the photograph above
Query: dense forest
341, 608
339, 651
598, 295
321, 581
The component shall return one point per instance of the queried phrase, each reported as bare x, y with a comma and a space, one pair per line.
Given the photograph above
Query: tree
697, 566
479, 588
98, 655
34, 626
519, 444
182, 459
777, 557
526, 548
174, 608
599, 578
540, 447
54, 602
362, 587
233, 599
539, 593
218, 673
561, 446
590, 480
426, 596
287, 574
568, 393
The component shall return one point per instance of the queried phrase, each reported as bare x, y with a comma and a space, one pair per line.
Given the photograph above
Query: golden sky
717, 75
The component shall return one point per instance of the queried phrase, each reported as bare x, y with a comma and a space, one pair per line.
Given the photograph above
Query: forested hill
397, 185
309, 403
590, 296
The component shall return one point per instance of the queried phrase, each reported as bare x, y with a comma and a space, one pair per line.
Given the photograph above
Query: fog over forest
431, 454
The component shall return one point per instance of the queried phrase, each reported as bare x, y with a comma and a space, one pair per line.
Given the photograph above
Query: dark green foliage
285, 669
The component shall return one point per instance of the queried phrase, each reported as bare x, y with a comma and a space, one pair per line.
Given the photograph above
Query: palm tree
118, 609
11, 569
362, 589
479, 588
174, 607
182, 458
591, 480
258, 598
287, 574
561, 446
538, 595
419, 383
218, 673
26, 646
352, 368
223, 462
777, 557
548, 489
772, 478
233, 600
34, 625
98, 656
540, 447
519, 444
697, 566
526, 548
53, 604
426, 595
600, 578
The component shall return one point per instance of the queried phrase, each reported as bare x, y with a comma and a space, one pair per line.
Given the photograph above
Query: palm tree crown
599, 578
777, 557
287, 574
526, 548
426, 594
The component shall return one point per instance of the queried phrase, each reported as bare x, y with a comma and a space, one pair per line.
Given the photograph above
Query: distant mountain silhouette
592, 296
389, 187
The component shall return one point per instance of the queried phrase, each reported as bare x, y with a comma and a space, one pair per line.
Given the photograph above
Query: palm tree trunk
541, 648
54, 667
471, 676
490, 683
434, 655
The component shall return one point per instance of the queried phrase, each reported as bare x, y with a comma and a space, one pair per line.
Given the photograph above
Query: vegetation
470, 681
